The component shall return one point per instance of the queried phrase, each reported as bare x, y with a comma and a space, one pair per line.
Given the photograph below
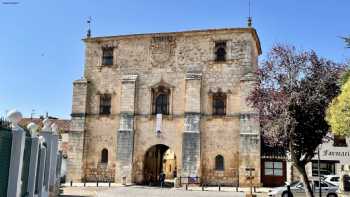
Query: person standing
161, 179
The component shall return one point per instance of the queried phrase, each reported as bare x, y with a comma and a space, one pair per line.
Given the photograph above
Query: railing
190, 180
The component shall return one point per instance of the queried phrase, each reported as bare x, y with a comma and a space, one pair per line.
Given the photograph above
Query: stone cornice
203, 32
129, 78
193, 76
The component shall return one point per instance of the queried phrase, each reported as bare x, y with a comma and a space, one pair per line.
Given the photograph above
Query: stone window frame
104, 156
228, 50
104, 104
155, 90
219, 163
165, 93
217, 95
106, 49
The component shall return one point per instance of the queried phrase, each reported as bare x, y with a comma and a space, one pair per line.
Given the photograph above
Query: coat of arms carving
162, 49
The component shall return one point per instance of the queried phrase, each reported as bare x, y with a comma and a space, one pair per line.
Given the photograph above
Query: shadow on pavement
71, 196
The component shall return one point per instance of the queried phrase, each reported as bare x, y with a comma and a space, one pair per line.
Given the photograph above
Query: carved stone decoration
192, 123
162, 49
110, 44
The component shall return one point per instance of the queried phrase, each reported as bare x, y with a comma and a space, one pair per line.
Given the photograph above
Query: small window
273, 168
219, 104
220, 51
326, 168
107, 56
104, 156
219, 163
339, 141
161, 101
105, 104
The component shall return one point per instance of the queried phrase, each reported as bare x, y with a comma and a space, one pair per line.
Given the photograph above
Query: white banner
158, 124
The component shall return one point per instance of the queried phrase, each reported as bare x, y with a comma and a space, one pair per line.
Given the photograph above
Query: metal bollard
96, 183
202, 187
71, 183
84, 183
219, 187
109, 183
254, 189
288, 191
186, 186
236, 188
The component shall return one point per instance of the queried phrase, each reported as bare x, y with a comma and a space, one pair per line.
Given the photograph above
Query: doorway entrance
159, 158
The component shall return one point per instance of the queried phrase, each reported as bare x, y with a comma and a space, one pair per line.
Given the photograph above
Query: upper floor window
161, 100
220, 51
339, 141
104, 156
219, 162
105, 104
107, 56
219, 104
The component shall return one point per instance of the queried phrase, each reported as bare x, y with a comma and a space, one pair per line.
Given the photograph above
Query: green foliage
344, 78
338, 113
347, 41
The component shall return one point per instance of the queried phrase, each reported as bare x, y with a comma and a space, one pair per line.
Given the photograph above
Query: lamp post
319, 172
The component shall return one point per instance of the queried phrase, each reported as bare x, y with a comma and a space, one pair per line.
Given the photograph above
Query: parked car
297, 189
334, 179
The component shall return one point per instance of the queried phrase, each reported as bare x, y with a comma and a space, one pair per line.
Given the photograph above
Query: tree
347, 41
338, 113
293, 91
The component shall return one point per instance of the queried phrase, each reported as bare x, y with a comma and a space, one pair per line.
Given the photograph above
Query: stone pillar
125, 133
41, 172
34, 156
17, 152
249, 155
191, 137
47, 135
53, 187
77, 130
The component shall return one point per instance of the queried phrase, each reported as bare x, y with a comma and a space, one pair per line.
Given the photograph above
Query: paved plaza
143, 191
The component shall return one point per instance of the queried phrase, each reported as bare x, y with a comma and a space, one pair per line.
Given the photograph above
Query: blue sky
41, 51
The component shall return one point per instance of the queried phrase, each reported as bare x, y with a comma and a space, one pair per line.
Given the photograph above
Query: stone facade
183, 63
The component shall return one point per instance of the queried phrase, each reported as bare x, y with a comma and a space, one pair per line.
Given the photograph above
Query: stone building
185, 91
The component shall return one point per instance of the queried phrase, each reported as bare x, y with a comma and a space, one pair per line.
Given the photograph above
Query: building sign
328, 153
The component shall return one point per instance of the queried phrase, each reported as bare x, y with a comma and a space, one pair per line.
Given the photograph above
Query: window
323, 184
326, 168
107, 56
104, 156
161, 100
219, 163
105, 104
335, 179
220, 51
219, 104
339, 141
273, 168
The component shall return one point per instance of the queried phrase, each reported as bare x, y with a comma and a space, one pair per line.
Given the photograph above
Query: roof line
249, 29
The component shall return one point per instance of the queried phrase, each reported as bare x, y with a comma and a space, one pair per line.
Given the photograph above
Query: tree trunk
305, 179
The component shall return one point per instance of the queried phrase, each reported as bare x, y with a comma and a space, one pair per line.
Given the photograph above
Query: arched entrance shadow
159, 158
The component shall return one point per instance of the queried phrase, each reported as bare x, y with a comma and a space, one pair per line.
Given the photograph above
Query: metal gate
5, 157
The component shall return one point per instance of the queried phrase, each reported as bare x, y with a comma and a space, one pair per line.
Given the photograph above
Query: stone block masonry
177, 74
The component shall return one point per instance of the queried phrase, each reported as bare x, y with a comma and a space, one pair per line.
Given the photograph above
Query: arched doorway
159, 158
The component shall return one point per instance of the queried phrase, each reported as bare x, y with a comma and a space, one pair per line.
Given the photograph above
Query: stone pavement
144, 191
